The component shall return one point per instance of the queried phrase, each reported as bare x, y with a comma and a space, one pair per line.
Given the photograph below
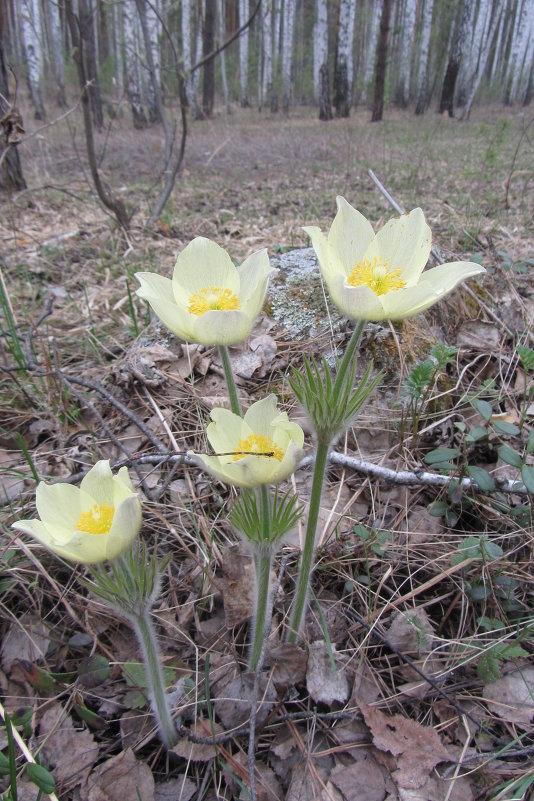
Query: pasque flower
380, 276
89, 524
263, 447
208, 300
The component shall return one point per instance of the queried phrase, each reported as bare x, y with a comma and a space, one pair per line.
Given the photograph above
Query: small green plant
489, 662
418, 386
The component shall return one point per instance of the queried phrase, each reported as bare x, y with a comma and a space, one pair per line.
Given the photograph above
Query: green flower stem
154, 674
263, 559
230, 380
306, 563
347, 357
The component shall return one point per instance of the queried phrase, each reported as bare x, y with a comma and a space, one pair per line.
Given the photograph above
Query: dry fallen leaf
417, 748
27, 639
179, 789
478, 336
121, 778
71, 751
411, 632
197, 752
512, 697
361, 780
289, 664
238, 584
325, 685
436, 789
233, 700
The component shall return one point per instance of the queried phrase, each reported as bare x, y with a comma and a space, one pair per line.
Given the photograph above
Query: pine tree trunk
424, 53
208, 45
381, 62
11, 177
31, 34
243, 54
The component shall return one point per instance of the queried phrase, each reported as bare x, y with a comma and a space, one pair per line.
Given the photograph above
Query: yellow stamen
97, 520
259, 445
377, 276
213, 298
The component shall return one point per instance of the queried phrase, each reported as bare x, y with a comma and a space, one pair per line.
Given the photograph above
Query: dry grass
251, 181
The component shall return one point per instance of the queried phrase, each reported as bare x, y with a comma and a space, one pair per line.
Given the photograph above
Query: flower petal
261, 414
202, 264
125, 527
405, 242
356, 302
350, 234
60, 505
254, 276
225, 431
158, 291
221, 327
98, 483
329, 262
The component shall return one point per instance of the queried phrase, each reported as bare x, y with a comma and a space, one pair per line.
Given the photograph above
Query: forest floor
422, 596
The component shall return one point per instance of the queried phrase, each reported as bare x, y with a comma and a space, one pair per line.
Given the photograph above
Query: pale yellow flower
208, 300
263, 447
97, 521
380, 276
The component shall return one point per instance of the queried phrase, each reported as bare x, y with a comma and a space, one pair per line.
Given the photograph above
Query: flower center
213, 298
377, 276
256, 443
97, 520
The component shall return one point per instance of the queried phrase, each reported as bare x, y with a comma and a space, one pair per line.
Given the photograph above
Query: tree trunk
31, 35
243, 54
221, 18
523, 30
119, 66
424, 53
87, 32
342, 77
133, 86
268, 93
483, 58
11, 176
153, 30
381, 62
370, 49
57, 46
446, 102
208, 44
408, 26
325, 106
290, 7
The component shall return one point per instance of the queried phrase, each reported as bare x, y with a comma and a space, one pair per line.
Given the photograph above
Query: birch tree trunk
446, 102
57, 47
133, 85
519, 48
268, 90
424, 53
221, 19
370, 51
381, 62
407, 37
208, 45
119, 66
320, 61
31, 36
154, 32
489, 32
188, 55
290, 7
342, 79
86, 16
243, 54
496, 63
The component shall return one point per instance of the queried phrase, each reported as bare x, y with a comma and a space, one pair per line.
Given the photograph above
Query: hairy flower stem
321, 461
230, 380
263, 559
348, 356
306, 562
154, 674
